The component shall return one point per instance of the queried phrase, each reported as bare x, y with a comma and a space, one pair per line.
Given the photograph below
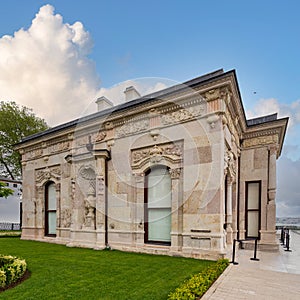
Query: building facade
178, 172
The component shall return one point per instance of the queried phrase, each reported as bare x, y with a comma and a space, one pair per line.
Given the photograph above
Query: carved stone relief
260, 140
183, 114
133, 127
32, 154
59, 147
175, 173
155, 154
66, 218
48, 173
229, 163
87, 184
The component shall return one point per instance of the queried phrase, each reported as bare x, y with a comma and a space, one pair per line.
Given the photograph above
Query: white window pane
51, 197
51, 223
159, 188
253, 195
253, 217
159, 226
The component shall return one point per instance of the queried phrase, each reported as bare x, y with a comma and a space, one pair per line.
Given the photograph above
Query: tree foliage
4, 191
16, 122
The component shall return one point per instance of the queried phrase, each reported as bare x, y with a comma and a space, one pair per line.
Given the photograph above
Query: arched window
50, 209
158, 199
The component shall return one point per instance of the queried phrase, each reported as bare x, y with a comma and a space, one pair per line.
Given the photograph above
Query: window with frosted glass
50, 220
253, 208
159, 205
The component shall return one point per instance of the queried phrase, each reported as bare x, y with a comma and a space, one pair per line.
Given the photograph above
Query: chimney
131, 93
103, 103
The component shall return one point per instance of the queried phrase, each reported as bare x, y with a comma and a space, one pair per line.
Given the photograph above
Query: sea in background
288, 222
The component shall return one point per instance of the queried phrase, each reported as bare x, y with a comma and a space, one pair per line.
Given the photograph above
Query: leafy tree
16, 122
4, 191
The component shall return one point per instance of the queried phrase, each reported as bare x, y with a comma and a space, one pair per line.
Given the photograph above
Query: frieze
260, 140
183, 114
59, 147
133, 127
261, 133
34, 153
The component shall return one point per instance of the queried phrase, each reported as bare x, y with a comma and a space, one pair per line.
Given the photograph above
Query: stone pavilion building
179, 172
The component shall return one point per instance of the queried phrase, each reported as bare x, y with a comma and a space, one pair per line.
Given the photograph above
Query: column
229, 210
101, 157
177, 213
139, 209
271, 206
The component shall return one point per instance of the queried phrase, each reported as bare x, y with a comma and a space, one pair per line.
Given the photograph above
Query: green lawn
59, 272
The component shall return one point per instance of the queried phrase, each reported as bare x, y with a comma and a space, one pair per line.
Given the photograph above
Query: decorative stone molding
260, 140
171, 152
100, 136
33, 154
183, 114
229, 164
59, 147
261, 133
132, 128
154, 134
48, 173
139, 177
100, 185
273, 149
175, 173
212, 120
87, 172
109, 125
87, 179
66, 218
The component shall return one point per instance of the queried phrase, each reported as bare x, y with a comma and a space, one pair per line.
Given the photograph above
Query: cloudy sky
63, 54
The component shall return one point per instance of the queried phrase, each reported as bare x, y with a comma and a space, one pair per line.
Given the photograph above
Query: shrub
197, 285
11, 269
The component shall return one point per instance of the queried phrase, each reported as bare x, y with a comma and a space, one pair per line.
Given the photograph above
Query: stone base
261, 246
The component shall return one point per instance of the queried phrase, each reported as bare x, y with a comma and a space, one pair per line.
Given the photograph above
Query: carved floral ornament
48, 173
156, 154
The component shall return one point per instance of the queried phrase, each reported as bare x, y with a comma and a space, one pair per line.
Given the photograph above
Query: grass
59, 272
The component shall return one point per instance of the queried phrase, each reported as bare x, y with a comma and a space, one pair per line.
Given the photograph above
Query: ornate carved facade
181, 167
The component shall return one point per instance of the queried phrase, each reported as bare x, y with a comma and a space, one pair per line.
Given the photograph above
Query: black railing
10, 226
285, 238
242, 247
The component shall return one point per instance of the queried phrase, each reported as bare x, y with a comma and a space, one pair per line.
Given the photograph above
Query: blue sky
177, 40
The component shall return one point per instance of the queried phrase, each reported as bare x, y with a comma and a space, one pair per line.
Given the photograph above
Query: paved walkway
274, 276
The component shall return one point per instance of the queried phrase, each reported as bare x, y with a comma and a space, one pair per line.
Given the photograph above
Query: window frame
146, 208
252, 209
47, 210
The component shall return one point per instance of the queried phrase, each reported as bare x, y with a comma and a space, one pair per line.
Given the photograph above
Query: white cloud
47, 68
288, 193
271, 105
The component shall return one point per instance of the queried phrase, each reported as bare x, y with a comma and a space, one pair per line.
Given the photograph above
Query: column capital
175, 173
273, 149
102, 153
